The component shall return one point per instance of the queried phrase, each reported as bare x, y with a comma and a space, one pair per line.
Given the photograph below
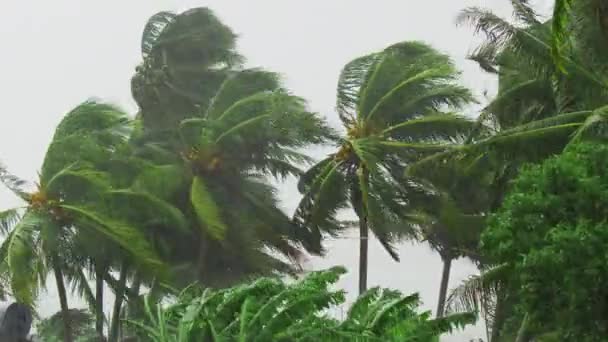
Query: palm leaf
148, 209
13, 183
561, 16
352, 78
21, 252
8, 219
437, 127
121, 233
240, 85
206, 209
93, 116
153, 29
475, 293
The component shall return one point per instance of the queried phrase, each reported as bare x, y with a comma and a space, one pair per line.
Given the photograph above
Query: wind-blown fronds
13, 183
394, 104
476, 294
153, 29
270, 310
352, 79
22, 258
561, 15
8, 219
524, 143
187, 56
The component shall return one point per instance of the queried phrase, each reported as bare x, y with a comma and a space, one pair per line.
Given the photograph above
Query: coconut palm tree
67, 201
217, 163
394, 106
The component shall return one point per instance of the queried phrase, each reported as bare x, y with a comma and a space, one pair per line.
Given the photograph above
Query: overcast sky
58, 53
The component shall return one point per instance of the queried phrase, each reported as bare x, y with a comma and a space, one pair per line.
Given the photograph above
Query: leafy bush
552, 233
272, 310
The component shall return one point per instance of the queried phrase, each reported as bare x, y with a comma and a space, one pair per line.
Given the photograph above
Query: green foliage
270, 310
52, 330
186, 57
551, 232
393, 105
251, 128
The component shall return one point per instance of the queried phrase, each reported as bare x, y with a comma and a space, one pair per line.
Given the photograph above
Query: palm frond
434, 127
240, 85
206, 209
352, 78
123, 234
93, 116
153, 29
8, 219
22, 254
561, 16
162, 181
524, 13
13, 183
525, 143
476, 293
324, 197
147, 210
77, 182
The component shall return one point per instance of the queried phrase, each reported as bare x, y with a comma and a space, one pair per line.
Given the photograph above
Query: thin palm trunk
443, 288
120, 293
99, 316
498, 317
522, 333
63, 302
363, 252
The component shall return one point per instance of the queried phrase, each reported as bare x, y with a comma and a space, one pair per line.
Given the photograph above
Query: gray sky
56, 54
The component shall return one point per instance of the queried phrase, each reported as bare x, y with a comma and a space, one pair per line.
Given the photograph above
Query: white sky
56, 54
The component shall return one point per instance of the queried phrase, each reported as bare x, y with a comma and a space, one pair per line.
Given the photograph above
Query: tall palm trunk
522, 333
99, 316
363, 252
120, 293
443, 288
498, 316
63, 302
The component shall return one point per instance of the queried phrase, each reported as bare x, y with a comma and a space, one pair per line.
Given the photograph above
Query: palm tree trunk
120, 292
443, 288
498, 317
63, 302
99, 316
363, 252
522, 333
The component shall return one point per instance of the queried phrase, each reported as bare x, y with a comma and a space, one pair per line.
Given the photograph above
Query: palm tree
189, 77
218, 161
68, 200
393, 106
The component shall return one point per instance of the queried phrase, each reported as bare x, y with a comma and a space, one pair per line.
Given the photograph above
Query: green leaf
206, 209
146, 208
8, 219
22, 254
13, 183
240, 85
153, 29
123, 234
